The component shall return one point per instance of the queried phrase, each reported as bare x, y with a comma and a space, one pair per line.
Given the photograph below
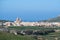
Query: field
8, 36
32, 28
50, 36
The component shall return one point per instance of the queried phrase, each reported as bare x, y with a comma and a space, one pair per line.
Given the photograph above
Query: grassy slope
50, 36
8, 36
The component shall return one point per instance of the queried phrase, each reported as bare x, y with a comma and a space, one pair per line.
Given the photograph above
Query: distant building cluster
19, 22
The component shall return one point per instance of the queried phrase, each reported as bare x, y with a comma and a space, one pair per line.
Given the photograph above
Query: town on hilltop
19, 22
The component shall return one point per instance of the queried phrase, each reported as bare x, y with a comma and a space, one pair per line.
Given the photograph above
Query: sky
29, 10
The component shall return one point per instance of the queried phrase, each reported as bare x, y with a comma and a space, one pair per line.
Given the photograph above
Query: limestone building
19, 22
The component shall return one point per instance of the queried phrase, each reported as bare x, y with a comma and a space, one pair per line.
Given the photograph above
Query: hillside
5, 21
56, 19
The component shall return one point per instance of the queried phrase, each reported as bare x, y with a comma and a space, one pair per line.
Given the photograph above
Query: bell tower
18, 20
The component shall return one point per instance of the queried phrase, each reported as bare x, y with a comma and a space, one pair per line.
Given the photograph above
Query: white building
19, 22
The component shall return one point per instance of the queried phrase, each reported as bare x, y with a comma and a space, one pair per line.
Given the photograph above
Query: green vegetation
8, 36
50, 36
25, 27
31, 28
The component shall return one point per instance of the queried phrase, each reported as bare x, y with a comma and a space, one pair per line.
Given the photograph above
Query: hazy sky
29, 10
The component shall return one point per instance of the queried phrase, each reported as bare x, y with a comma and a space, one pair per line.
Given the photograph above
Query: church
19, 22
